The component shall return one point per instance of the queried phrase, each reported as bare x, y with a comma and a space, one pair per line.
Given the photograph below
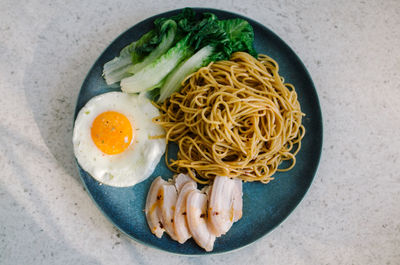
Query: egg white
139, 160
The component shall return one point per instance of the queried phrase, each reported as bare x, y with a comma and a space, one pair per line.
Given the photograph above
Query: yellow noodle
234, 118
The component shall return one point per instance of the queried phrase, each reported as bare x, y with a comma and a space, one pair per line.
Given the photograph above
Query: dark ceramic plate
264, 206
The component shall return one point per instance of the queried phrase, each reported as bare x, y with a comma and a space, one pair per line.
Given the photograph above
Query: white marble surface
351, 215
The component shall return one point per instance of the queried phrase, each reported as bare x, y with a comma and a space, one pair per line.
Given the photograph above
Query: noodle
233, 118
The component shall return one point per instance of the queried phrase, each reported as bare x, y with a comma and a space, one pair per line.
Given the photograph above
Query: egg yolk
112, 132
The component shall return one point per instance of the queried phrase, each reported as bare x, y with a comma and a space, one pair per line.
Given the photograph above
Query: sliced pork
167, 200
237, 200
196, 208
180, 180
220, 206
151, 210
180, 223
180, 209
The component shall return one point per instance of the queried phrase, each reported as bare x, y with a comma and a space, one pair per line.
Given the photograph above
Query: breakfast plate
265, 206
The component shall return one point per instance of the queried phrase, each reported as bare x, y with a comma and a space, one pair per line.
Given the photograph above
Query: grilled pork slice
220, 207
196, 215
151, 210
167, 200
180, 180
180, 223
237, 200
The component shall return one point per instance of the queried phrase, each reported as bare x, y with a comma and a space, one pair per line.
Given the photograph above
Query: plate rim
316, 105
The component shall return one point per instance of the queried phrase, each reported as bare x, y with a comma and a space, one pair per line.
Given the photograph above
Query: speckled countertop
351, 214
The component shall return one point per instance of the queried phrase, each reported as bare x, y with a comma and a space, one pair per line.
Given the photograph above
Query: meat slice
237, 200
220, 207
180, 222
167, 200
180, 180
196, 208
151, 209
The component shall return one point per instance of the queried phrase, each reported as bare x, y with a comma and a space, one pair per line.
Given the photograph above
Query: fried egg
115, 140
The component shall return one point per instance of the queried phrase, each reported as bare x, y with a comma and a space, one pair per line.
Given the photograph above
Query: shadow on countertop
23, 232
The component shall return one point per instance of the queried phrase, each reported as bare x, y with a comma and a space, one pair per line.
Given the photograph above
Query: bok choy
175, 48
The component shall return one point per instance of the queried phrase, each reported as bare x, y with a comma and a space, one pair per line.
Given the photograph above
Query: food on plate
152, 203
180, 180
235, 118
115, 140
142, 52
229, 111
176, 47
166, 197
185, 212
221, 207
197, 220
180, 222
237, 200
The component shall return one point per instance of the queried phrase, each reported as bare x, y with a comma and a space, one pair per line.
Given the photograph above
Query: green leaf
169, 28
240, 33
151, 75
174, 80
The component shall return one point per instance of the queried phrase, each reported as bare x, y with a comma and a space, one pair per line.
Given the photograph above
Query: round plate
264, 205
